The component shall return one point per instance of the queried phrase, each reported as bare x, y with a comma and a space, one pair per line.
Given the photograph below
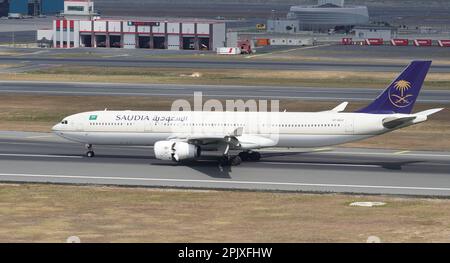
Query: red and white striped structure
423, 42
444, 43
399, 42
65, 34
347, 41
374, 41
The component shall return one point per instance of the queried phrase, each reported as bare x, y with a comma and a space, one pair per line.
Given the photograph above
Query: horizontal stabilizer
429, 112
394, 122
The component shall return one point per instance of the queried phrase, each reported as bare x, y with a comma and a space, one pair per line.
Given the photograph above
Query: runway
40, 59
44, 158
217, 91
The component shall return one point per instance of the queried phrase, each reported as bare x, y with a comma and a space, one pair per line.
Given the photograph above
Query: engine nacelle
175, 151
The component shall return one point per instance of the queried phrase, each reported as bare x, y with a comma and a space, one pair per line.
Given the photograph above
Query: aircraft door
349, 126
78, 126
148, 126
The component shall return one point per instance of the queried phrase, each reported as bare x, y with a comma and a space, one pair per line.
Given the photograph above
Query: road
208, 63
258, 92
35, 157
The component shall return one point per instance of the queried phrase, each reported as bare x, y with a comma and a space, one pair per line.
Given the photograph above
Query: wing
212, 140
224, 142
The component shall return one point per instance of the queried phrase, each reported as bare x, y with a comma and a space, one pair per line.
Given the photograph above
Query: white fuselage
259, 129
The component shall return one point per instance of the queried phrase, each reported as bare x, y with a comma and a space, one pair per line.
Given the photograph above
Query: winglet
340, 107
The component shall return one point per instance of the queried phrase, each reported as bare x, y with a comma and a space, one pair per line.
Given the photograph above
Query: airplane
186, 135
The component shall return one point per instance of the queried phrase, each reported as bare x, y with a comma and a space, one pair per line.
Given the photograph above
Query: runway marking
287, 51
116, 56
325, 164
355, 153
40, 155
407, 154
40, 136
323, 149
402, 152
226, 182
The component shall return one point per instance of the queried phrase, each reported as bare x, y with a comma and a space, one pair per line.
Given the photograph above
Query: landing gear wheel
90, 152
235, 161
255, 156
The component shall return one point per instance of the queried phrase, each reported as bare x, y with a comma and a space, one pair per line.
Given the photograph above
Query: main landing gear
241, 157
250, 156
90, 153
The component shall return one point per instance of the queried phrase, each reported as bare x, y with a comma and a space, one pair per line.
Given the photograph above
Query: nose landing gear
90, 153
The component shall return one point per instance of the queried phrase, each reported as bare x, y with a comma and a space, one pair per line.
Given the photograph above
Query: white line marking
287, 51
326, 164
402, 152
224, 182
406, 154
352, 153
40, 136
40, 155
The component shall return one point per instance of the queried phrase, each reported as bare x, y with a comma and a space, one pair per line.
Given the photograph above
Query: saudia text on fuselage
156, 118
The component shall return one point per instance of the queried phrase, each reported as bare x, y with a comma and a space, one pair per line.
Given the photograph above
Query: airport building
373, 31
152, 34
35, 7
82, 27
4, 8
328, 14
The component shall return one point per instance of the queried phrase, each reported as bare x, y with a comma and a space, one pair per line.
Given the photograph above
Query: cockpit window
64, 122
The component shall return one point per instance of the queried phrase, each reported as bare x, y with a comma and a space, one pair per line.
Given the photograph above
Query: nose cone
56, 127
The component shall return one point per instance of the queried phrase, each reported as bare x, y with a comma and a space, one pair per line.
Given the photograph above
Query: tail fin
402, 93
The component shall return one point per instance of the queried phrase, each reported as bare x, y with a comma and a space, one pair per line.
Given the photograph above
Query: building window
75, 8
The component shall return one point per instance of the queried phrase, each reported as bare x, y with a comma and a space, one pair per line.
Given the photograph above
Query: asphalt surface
207, 63
265, 92
44, 158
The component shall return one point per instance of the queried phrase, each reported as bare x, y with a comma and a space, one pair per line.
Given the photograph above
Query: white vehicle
185, 135
228, 51
15, 16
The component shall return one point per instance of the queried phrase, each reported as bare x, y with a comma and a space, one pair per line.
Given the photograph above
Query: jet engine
176, 151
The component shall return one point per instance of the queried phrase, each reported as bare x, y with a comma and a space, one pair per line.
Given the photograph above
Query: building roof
377, 27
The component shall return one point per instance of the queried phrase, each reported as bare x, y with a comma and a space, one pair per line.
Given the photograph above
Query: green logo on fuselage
93, 117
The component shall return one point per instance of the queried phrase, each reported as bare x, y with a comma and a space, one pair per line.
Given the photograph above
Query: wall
308, 41
4, 8
18, 6
283, 26
373, 33
49, 7
219, 36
